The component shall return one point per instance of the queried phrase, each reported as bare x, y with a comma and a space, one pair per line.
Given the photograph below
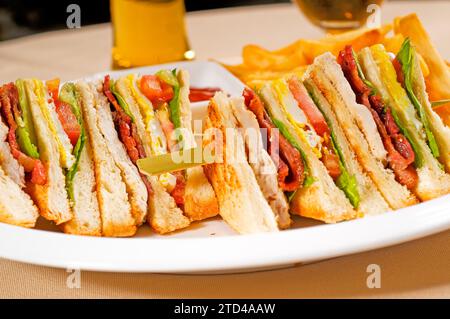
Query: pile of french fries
260, 65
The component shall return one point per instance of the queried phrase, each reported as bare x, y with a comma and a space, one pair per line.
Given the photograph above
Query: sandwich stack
70, 153
355, 136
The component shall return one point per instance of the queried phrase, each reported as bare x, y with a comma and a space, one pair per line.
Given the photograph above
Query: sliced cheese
65, 148
152, 126
158, 143
296, 116
398, 94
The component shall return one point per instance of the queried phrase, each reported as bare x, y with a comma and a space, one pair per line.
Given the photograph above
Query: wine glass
336, 16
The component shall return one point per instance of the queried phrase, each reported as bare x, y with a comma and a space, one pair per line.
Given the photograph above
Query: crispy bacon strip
123, 122
178, 191
127, 131
66, 116
329, 158
286, 157
202, 94
9, 98
400, 153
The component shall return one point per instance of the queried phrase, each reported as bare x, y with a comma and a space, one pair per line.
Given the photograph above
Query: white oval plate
211, 246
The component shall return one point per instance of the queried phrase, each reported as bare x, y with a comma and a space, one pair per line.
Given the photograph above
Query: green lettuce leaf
346, 182
170, 77
71, 172
174, 104
362, 76
24, 140
68, 95
406, 58
25, 131
123, 104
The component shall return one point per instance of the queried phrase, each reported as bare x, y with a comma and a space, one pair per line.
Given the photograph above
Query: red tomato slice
150, 87
178, 192
155, 90
304, 101
68, 120
167, 92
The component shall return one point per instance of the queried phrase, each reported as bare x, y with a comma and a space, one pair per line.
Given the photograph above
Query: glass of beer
337, 15
148, 32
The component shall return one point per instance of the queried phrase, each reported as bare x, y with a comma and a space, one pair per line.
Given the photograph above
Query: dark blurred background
23, 17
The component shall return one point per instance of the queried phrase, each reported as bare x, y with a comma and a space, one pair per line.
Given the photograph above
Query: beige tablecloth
416, 269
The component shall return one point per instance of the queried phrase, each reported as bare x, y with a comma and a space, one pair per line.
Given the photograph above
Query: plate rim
227, 253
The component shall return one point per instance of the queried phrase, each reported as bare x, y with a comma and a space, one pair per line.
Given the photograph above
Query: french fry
239, 70
260, 65
354, 35
300, 53
393, 44
256, 57
444, 113
312, 49
303, 52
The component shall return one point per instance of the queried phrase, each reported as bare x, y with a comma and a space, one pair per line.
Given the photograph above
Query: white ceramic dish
211, 246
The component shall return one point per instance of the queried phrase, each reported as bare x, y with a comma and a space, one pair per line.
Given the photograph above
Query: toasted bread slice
322, 199
16, 207
371, 200
164, 215
327, 76
136, 188
51, 198
433, 181
116, 214
86, 213
261, 163
137, 192
241, 203
200, 199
